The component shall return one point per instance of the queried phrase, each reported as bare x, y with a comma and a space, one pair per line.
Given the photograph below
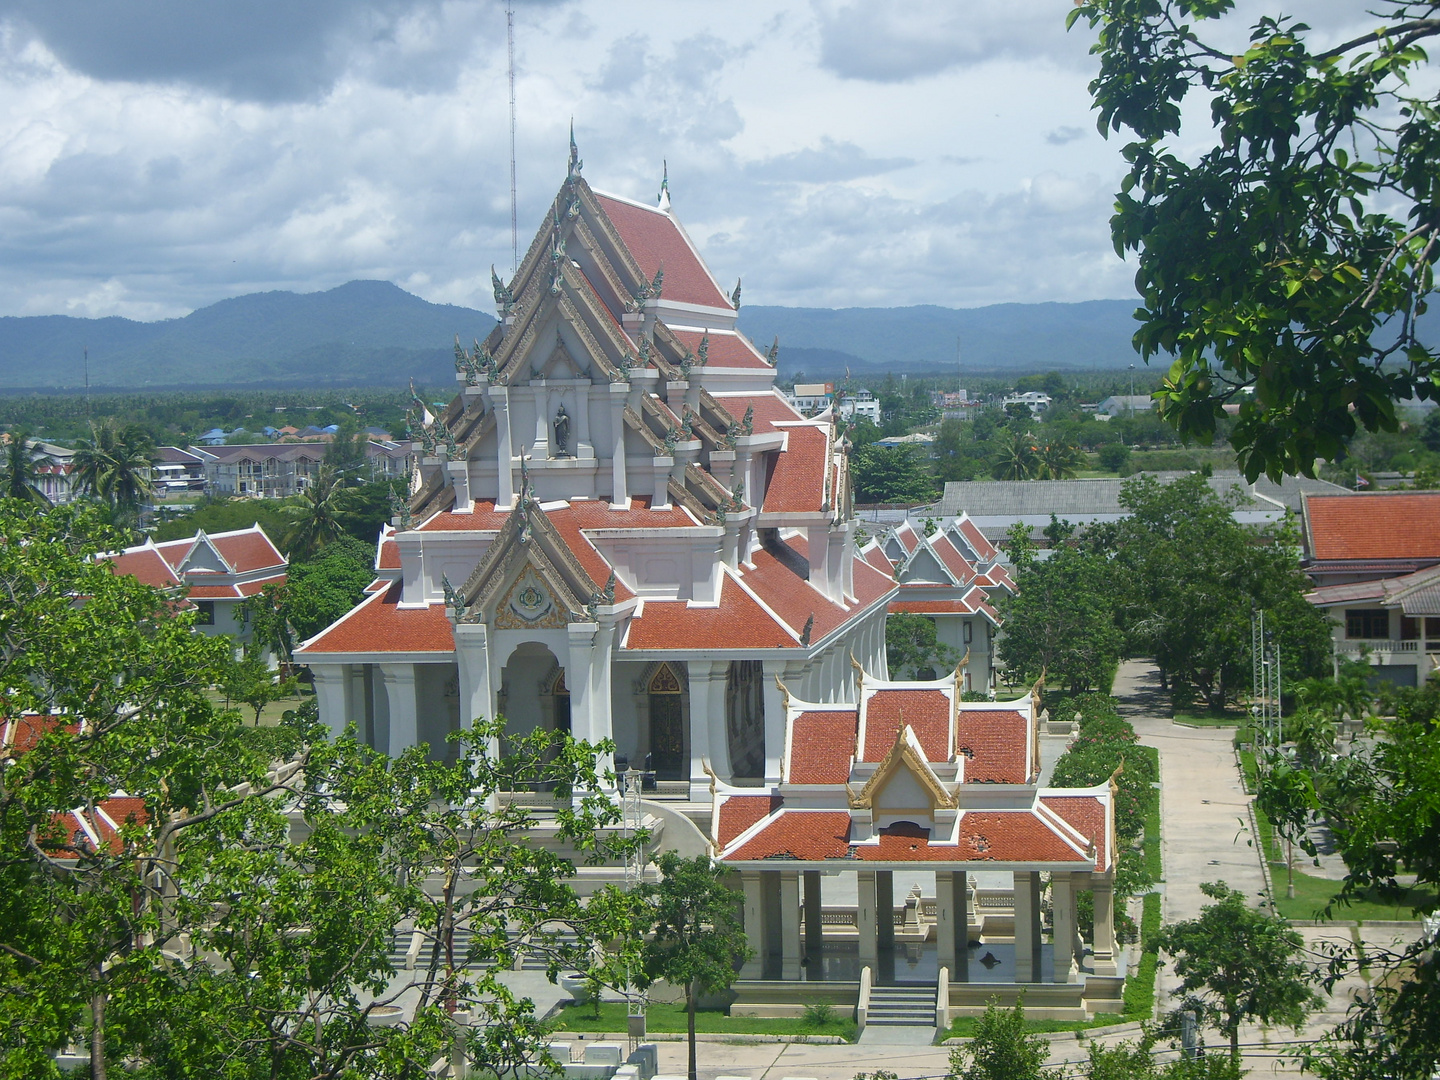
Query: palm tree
1017, 458
1059, 461
113, 465
20, 470
313, 515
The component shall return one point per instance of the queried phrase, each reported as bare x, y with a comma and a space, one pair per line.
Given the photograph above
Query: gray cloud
1062, 135
831, 162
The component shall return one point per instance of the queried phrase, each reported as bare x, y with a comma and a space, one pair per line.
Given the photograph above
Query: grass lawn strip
671, 1019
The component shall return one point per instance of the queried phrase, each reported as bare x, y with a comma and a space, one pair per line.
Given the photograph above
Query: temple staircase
901, 1006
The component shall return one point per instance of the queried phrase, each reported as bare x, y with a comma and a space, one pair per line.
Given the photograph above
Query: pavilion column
790, 924
754, 924
952, 930
1062, 909
620, 484
885, 909
814, 921
333, 694
400, 700
1102, 890
585, 720
357, 709
865, 917
774, 720
1027, 926
505, 490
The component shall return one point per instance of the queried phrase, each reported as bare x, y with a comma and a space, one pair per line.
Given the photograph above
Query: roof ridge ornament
735, 296
504, 297
664, 196
704, 351
572, 172
453, 600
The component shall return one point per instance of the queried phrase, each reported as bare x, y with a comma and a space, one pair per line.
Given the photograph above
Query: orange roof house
618, 527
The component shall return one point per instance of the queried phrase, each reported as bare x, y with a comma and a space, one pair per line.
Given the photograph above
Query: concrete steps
901, 1006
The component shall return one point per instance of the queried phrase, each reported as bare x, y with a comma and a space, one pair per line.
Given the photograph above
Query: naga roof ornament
735, 296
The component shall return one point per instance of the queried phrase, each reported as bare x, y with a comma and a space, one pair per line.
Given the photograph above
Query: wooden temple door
667, 725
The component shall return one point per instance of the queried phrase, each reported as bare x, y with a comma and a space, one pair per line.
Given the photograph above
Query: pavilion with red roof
618, 528
909, 777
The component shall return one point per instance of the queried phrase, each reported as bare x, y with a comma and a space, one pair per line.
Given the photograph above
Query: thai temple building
621, 529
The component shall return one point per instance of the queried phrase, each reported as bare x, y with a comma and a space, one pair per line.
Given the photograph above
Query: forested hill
365, 333
1020, 337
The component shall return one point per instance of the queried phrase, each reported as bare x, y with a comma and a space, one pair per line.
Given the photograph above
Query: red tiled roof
20, 734
997, 740
984, 549
145, 565
389, 555
654, 239
811, 835
1086, 815
821, 745
870, 584
119, 809
791, 597
770, 409
596, 514
234, 592
1374, 525
797, 484
248, 550
737, 623
379, 626
927, 712
956, 563
739, 812
725, 350
906, 535
1011, 836
877, 558
484, 516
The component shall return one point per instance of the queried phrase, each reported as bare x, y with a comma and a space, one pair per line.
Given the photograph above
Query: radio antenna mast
514, 221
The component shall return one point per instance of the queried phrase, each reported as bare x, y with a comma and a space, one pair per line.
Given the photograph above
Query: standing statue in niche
562, 433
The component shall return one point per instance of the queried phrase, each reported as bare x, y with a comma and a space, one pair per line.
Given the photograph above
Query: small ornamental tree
1000, 1050
1240, 964
911, 646
698, 941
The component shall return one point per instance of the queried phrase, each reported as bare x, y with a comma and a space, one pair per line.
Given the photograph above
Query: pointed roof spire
573, 173
664, 185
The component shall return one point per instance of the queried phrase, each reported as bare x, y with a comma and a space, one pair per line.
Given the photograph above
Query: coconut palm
1018, 458
113, 465
313, 516
1058, 461
20, 469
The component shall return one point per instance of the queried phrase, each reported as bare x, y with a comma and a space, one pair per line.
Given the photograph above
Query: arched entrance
667, 724
533, 693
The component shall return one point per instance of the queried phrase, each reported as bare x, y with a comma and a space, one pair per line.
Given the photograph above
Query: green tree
697, 941
1017, 457
1057, 460
1284, 261
1115, 457
1000, 1049
911, 647
1238, 964
314, 514
114, 464
238, 922
345, 453
250, 681
216, 515
315, 593
20, 469
1061, 620
890, 474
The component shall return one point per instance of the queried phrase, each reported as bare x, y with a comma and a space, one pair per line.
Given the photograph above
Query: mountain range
373, 333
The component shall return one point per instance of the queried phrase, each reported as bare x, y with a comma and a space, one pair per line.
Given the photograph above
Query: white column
601, 661
814, 922
1102, 891
355, 704
885, 909
698, 678
865, 917
1027, 914
719, 727
332, 693
946, 910
472, 656
1062, 911
541, 449
660, 484
754, 924
620, 485
459, 473
504, 454
583, 446
584, 723
400, 696
790, 924
774, 720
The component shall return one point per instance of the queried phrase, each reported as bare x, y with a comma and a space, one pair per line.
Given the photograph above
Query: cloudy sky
158, 155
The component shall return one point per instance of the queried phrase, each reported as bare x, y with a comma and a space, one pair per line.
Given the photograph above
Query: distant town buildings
1033, 400
1124, 405
810, 399
279, 470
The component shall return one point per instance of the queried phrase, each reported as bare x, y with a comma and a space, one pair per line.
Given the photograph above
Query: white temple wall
453, 554
437, 694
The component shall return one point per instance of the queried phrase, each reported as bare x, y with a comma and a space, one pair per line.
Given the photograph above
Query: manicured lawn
671, 1018
1313, 893
270, 715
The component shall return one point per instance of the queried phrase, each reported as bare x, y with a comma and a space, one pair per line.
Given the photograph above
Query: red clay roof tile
654, 239
996, 741
1374, 525
821, 746
927, 712
378, 625
739, 812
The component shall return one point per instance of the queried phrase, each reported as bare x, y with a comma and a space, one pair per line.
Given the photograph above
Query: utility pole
87, 382
514, 219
